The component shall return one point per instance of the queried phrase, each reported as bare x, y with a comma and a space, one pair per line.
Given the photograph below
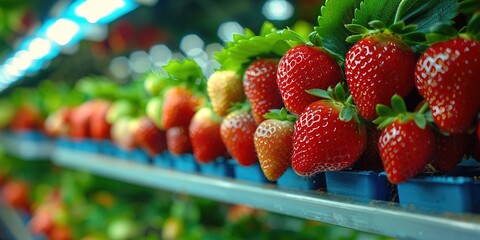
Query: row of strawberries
239, 110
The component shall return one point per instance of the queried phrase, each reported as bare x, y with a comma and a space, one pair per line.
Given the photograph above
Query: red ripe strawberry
179, 107
205, 136
449, 151
405, 149
27, 117
406, 144
224, 89
261, 89
57, 123
237, 131
274, 143
376, 68
178, 141
447, 77
370, 159
324, 142
123, 132
99, 127
303, 68
16, 194
149, 137
80, 121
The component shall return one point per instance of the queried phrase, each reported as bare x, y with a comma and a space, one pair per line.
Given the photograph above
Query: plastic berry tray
363, 184
108, 148
220, 167
291, 180
30, 135
139, 155
252, 173
184, 163
163, 160
457, 192
64, 143
87, 145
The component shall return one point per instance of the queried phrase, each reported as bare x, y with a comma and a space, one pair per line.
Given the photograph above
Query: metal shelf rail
378, 217
28, 149
11, 226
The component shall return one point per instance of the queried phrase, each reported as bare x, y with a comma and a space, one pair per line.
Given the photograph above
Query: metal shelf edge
27, 149
374, 216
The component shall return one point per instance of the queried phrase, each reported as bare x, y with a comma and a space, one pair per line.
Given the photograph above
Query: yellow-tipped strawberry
225, 88
274, 143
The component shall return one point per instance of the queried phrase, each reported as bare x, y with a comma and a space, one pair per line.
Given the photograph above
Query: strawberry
370, 159
205, 136
449, 151
303, 68
225, 88
27, 117
80, 121
328, 135
446, 75
122, 132
99, 127
16, 194
178, 140
274, 143
237, 131
57, 124
178, 107
149, 137
376, 68
406, 144
261, 89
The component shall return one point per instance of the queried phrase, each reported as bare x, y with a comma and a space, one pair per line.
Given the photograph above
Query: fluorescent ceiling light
94, 10
277, 10
39, 47
22, 60
62, 31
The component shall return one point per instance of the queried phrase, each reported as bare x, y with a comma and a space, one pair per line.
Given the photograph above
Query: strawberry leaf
245, 48
381, 10
267, 28
424, 14
398, 105
473, 27
469, 6
280, 114
355, 28
347, 114
386, 122
340, 93
383, 110
420, 121
319, 93
331, 24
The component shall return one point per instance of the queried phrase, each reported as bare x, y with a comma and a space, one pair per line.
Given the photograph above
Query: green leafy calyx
280, 114
398, 112
340, 98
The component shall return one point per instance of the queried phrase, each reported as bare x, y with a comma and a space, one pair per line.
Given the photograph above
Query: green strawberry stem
424, 108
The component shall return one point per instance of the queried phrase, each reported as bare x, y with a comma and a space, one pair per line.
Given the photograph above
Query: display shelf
27, 148
11, 226
378, 217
